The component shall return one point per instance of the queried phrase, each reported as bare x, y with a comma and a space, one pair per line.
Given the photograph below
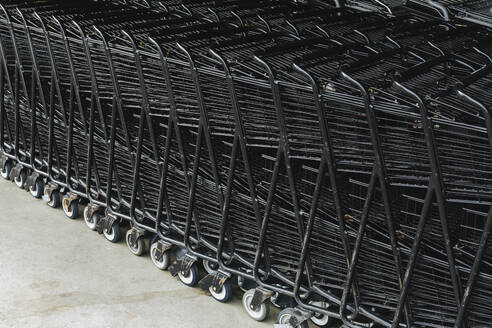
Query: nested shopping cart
330, 161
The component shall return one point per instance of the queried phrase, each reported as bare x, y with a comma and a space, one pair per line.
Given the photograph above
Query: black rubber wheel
259, 314
162, 262
6, 170
21, 179
138, 247
321, 320
189, 278
224, 293
284, 317
55, 199
70, 207
90, 220
210, 267
38, 189
113, 234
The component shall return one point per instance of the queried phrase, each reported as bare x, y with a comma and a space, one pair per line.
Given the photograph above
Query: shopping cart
330, 161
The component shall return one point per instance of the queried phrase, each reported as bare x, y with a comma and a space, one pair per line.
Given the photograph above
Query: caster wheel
90, 220
70, 207
224, 294
261, 313
321, 320
55, 199
276, 297
210, 267
6, 170
245, 285
113, 234
180, 252
21, 179
161, 263
37, 190
284, 317
191, 277
138, 247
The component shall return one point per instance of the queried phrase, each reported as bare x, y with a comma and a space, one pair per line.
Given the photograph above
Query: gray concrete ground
54, 272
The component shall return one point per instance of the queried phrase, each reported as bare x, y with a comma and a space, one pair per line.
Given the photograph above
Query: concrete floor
55, 272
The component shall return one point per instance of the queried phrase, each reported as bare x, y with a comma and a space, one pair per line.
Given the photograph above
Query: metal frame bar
240, 141
95, 106
19, 78
283, 153
380, 176
327, 161
117, 110
435, 189
477, 262
203, 132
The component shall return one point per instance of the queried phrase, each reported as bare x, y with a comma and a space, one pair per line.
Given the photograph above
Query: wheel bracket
215, 279
299, 316
182, 265
134, 235
15, 172
105, 223
93, 208
48, 191
260, 296
31, 181
161, 248
71, 196
296, 319
3, 161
